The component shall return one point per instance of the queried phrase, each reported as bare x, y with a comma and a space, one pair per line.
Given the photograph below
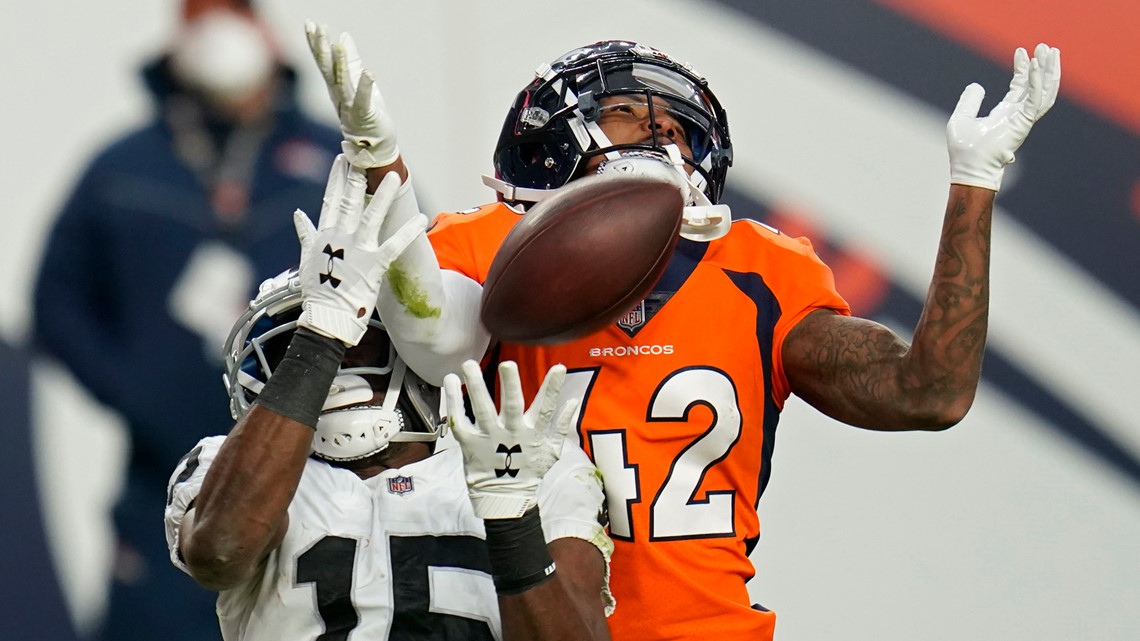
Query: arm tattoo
860, 372
950, 337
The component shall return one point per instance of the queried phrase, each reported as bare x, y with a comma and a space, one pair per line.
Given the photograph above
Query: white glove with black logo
506, 453
369, 132
980, 148
342, 260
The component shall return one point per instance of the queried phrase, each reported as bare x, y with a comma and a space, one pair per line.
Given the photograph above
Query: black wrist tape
300, 383
519, 558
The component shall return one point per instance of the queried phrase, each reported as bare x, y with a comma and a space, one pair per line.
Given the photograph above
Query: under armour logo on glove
501, 482
361, 258
332, 253
503, 449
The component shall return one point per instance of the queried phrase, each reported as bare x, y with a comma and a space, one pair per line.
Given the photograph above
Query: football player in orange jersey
681, 422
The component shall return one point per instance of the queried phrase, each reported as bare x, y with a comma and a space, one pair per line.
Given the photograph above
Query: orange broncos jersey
680, 400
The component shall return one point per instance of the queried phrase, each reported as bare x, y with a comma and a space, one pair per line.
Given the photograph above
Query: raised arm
431, 315
241, 513
861, 373
369, 131
547, 590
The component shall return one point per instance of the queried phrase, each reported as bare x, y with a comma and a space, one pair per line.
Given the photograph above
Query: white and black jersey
397, 556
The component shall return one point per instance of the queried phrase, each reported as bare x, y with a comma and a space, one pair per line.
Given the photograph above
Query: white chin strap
360, 431
511, 193
701, 220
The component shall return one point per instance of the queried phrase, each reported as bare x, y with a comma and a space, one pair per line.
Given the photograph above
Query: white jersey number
675, 512
329, 563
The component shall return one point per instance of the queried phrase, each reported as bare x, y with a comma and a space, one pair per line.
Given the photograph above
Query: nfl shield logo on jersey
634, 318
400, 484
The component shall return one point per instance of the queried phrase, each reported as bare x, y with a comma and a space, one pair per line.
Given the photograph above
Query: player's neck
394, 456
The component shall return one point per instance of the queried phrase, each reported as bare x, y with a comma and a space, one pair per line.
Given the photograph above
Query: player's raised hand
342, 259
981, 147
506, 453
369, 132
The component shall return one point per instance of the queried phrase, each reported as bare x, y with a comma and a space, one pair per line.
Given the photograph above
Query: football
582, 258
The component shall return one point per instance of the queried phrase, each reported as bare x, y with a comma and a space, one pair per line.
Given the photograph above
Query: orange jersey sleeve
466, 242
798, 279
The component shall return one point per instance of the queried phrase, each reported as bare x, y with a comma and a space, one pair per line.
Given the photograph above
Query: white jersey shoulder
383, 557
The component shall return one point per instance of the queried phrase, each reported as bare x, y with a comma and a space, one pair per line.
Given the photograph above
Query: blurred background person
152, 258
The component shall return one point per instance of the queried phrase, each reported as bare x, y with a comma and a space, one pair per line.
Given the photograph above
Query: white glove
369, 132
434, 327
505, 455
342, 260
980, 148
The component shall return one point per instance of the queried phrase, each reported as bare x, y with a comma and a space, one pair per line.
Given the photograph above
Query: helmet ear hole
531, 154
539, 164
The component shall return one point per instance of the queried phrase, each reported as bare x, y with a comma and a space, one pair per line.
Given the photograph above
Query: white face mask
224, 55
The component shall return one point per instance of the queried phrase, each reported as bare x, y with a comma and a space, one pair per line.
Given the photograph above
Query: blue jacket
121, 243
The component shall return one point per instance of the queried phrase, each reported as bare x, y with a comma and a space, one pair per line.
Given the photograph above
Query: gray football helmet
350, 427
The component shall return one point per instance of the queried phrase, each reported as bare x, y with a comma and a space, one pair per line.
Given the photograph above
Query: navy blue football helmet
552, 128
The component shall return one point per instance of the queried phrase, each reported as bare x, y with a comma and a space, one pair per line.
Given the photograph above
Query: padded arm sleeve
572, 502
431, 314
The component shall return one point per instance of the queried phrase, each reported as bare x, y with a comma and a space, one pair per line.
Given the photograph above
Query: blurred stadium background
1022, 523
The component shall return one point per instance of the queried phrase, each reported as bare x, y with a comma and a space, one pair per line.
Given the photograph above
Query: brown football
581, 259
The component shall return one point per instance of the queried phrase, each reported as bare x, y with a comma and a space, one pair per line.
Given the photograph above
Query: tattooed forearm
860, 372
950, 338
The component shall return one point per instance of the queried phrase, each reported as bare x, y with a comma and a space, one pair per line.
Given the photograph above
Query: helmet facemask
352, 425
